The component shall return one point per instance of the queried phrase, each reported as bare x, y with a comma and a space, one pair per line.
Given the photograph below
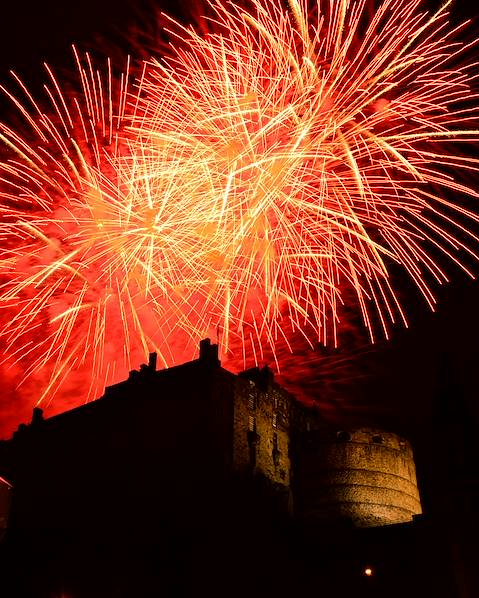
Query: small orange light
368, 571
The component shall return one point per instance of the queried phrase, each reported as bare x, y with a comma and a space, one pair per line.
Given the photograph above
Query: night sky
397, 379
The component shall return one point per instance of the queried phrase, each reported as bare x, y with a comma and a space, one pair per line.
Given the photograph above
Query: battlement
362, 436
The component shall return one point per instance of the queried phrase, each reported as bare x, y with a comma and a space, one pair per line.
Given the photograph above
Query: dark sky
398, 377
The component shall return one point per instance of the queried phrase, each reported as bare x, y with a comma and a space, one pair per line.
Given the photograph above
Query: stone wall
365, 475
262, 427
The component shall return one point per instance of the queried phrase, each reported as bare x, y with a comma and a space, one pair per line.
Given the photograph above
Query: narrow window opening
275, 453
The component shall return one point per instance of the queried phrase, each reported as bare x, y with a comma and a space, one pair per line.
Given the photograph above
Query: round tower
365, 475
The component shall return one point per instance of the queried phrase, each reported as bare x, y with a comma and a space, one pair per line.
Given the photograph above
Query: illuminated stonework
365, 475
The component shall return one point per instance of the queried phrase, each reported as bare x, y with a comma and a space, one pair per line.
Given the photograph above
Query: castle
190, 478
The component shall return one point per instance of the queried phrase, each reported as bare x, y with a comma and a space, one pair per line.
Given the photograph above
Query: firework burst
63, 266
265, 173
313, 150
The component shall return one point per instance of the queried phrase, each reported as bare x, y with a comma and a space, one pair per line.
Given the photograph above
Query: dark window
343, 436
253, 439
252, 454
275, 453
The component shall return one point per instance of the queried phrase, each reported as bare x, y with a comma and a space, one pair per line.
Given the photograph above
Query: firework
62, 267
267, 172
312, 149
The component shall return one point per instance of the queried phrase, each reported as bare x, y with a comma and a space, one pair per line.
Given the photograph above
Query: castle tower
365, 475
261, 429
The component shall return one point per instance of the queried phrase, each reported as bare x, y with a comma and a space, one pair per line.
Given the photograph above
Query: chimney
37, 416
209, 353
152, 362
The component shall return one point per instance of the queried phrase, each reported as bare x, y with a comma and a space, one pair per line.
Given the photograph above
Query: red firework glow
263, 175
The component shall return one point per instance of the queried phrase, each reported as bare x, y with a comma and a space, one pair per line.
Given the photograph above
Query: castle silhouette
194, 480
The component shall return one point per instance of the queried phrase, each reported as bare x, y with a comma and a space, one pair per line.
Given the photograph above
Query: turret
364, 475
